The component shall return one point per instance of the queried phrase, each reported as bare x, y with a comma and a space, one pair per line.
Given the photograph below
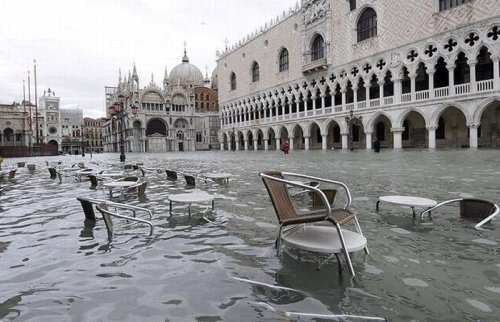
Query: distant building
162, 118
420, 73
92, 130
60, 127
14, 125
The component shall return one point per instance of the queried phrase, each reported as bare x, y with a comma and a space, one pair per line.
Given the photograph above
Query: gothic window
447, 4
318, 48
381, 131
367, 24
232, 80
8, 134
255, 72
284, 60
352, 4
406, 133
484, 67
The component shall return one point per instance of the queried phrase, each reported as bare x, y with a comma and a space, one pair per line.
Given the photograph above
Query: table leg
376, 205
189, 210
213, 204
413, 209
170, 208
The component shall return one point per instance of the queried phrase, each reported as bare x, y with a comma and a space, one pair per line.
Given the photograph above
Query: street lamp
83, 144
121, 114
352, 120
233, 141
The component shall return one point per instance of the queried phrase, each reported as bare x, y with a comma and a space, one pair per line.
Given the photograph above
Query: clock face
52, 130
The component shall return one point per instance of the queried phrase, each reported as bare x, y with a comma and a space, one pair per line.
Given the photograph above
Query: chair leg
358, 228
341, 263
346, 253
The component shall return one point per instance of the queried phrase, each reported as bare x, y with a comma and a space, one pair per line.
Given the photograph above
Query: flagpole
24, 106
29, 100
36, 105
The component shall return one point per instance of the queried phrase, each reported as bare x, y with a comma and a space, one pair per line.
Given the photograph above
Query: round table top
217, 175
409, 201
197, 196
111, 174
120, 184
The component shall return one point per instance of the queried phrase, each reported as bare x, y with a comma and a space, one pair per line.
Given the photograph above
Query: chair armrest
485, 220
437, 206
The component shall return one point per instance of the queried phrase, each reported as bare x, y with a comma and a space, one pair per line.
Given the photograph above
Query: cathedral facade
180, 115
343, 74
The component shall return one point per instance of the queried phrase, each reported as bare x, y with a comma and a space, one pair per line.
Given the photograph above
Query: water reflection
226, 268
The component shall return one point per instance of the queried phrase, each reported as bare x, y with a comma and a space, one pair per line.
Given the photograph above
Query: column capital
397, 129
368, 132
473, 125
344, 133
306, 136
431, 128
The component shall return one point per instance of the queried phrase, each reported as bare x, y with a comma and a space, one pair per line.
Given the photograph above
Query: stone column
432, 137
473, 85
473, 135
266, 145
246, 144
306, 142
345, 140
324, 142
451, 80
290, 143
323, 103
255, 144
343, 91
313, 99
368, 135
431, 83
381, 90
355, 96
397, 137
278, 146
412, 85
398, 90
496, 73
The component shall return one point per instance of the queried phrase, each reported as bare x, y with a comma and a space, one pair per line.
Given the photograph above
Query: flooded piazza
53, 268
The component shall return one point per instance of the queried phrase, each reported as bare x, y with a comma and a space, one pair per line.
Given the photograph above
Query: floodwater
52, 268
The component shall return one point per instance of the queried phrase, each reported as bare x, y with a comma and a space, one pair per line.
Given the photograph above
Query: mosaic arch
156, 126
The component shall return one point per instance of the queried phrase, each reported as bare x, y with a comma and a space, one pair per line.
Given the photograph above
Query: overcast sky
79, 45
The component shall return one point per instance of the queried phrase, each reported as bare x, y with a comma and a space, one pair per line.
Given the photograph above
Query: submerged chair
31, 168
477, 210
190, 181
171, 175
90, 218
298, 229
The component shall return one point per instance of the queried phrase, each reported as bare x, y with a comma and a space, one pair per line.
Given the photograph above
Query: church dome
186, 73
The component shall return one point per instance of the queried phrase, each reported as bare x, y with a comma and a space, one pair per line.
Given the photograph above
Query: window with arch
447, 4
367, 24
255, 72
318, 48
232, 81
284, 60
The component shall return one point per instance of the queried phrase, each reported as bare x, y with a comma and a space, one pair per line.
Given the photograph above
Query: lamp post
121, 115
352, 120
83, 143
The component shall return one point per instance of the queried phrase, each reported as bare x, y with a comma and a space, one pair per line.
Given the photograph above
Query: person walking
286, 147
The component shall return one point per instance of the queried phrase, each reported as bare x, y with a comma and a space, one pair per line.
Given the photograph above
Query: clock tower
50, 127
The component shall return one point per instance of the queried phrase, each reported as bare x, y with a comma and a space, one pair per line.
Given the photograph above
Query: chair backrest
93, 181
103, 209
53, 173
278, 192
142, 188
31, 167
130, 179
128, 167
476, 209
172, 175
21, 164
329, 194
190, 180
88, 209
12, 174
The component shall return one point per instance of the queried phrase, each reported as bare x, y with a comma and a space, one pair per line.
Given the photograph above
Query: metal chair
477, 210
298, 229
90, 218
190, 181
107, 215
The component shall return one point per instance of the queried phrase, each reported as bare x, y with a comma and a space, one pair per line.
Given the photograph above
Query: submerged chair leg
358, 228
346, 253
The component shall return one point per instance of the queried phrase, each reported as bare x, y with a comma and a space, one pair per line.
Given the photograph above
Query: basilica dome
186, 73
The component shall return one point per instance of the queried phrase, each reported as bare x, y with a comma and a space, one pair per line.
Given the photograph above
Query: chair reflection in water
110, 209
300, 230
477, 210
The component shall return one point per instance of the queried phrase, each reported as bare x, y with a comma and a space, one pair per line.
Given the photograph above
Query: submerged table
218, 176
120, 185
408, 201
191, 197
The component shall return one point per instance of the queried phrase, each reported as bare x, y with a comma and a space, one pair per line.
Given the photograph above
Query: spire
152, 79
185, 59
119, 76
134, 72
165, 78
206, 81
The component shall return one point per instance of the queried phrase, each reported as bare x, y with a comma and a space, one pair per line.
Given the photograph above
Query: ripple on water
479, 305
414, 282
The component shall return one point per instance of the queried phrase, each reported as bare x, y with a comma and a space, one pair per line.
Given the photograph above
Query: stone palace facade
340, 74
